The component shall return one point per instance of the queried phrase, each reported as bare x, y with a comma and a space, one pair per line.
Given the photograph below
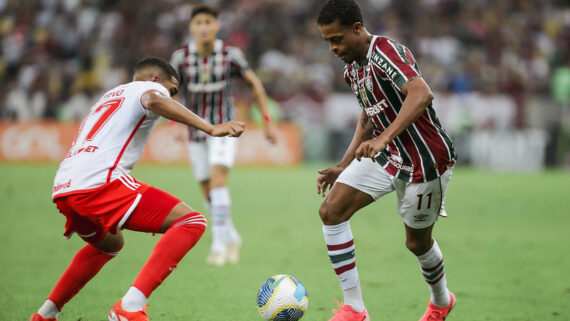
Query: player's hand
270, 133
232, 128
370, 148
327, 178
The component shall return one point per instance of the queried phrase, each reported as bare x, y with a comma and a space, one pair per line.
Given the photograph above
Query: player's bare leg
182, 229
430, 258
205, 187
419, 241
226, 241
335, 212
85, 265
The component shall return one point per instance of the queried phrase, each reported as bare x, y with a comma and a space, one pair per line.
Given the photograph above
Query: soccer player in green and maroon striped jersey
207, 66
399, 145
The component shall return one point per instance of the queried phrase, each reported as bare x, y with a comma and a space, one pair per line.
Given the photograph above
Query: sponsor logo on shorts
420, 217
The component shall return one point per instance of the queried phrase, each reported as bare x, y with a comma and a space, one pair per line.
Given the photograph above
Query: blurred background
500, 71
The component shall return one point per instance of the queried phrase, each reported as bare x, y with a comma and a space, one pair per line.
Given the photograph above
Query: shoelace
340, 306
435, 315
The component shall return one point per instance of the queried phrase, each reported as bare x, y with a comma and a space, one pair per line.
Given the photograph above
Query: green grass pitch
506, 245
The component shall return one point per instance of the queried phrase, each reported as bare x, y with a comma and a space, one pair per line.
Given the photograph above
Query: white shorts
419, 204
214, 151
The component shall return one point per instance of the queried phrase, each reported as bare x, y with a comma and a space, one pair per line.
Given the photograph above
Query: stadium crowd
58, 55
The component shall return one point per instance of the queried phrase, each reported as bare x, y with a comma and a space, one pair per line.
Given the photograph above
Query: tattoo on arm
366, 126
363, 122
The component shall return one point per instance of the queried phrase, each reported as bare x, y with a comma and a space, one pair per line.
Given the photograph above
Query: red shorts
93, 214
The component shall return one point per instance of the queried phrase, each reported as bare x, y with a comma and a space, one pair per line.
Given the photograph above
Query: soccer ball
282, 298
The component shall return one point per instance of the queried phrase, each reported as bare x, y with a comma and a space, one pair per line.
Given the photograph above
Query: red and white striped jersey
205, 81
109, 142
424, 150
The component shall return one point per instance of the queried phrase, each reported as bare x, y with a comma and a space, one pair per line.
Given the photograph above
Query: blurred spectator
561, 84
55, 54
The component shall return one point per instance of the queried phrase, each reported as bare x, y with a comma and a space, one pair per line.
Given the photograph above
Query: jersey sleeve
395, 61
150, 85
238, 62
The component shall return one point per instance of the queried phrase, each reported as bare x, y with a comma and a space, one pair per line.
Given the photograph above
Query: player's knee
113, 251
411, 245
202, 223
194, 221
417, 246
109, 249
328, 215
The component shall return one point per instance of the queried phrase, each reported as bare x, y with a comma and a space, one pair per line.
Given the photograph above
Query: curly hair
159, 63
346, 12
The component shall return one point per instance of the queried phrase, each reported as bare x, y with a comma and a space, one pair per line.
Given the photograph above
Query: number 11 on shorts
420, 199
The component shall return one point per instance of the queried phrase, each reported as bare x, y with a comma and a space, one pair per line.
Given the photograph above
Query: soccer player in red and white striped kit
399, 145
207, 65
98, 197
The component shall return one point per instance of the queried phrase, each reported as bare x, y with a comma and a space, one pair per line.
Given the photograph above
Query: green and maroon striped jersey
424, 150
205, 81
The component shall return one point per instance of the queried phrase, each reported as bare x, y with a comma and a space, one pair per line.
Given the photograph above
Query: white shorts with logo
419, 204
213, 151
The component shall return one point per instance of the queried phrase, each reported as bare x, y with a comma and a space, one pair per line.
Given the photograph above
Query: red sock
85, 265
170, 249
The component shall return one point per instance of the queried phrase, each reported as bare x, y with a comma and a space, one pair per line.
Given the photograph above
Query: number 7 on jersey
110, 107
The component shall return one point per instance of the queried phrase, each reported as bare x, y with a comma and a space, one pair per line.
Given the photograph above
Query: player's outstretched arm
173, 110
362, 133
260, 96
328, 176
232, 128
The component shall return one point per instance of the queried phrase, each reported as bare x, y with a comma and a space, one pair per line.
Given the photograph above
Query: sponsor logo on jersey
88, 149
376, 108
386, 66
57, 187
397, 161
206, 87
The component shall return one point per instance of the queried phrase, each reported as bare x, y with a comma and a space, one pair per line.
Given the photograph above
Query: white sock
134, 300
49, 310
340, 247
433, 270
207, 206
233, 235
220, 208
353, 297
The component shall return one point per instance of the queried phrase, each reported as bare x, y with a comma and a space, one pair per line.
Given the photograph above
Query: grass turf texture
506, 247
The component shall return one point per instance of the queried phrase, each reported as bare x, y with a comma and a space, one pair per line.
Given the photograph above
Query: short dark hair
159, 63
346, 12
204, 8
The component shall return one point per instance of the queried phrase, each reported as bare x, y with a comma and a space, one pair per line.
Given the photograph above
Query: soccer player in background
206, 66
98, 197
399, 145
